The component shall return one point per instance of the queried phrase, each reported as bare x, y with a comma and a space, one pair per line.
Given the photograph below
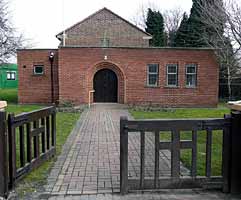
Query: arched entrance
106, 86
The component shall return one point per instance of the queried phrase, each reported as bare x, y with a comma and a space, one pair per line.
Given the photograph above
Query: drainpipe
51, 60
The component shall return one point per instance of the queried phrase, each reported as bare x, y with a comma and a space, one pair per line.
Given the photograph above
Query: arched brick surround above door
118, 72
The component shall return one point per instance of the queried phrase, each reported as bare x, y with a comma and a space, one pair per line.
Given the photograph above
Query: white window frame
193, 74
152, 73
10, 77
34, 69
171, 73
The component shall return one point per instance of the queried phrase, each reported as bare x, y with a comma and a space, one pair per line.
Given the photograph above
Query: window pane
191, 80
38, 69
171, 68
172, 79
191, 68
153, 68
13, 75
8, 75
172, 74
153, 79
191, 75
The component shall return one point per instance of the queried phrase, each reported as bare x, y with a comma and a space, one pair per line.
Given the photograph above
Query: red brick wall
36, 88
77, 67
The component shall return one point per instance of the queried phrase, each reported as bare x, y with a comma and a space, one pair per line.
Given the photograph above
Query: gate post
3, 156
235, 165
123, 156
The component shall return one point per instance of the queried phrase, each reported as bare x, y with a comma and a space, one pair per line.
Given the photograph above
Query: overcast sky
41, 20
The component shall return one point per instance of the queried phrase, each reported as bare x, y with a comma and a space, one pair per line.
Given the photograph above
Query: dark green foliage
155, 26
171, 38
181, 36
196, 29
193, 31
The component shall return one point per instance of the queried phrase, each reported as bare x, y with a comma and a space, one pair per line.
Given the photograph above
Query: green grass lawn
65, 124
9, 95
192, 113
17, 109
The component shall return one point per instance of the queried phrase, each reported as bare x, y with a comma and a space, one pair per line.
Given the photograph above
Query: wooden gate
26, 141
175, 181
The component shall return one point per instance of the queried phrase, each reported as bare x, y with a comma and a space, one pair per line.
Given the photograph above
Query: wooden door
105, 86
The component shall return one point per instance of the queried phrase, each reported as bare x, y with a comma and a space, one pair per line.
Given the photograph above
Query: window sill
38, 75
151, 86
172, 87
190, 87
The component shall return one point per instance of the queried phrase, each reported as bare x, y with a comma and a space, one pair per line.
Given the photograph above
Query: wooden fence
3, 156
175, 146
26, 141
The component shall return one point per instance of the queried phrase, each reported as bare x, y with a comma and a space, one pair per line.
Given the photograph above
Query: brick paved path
89, 163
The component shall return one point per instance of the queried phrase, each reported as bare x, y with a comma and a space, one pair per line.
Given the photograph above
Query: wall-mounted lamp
105, 57
51, 57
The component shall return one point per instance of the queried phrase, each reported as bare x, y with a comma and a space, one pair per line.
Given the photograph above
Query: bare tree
224, 20
139, 18
172, 18
9, 40
233, 32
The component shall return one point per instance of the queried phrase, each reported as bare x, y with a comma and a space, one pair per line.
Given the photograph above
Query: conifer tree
196, 29
194, 32
155, 26
180, 39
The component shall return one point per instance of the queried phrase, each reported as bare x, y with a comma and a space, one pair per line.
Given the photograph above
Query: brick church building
105, 58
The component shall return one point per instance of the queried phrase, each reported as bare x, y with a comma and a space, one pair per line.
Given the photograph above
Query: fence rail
175, 146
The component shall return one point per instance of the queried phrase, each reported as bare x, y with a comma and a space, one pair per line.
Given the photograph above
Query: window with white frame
191, 75
11, 75
38, 69
152, 75
172, 75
